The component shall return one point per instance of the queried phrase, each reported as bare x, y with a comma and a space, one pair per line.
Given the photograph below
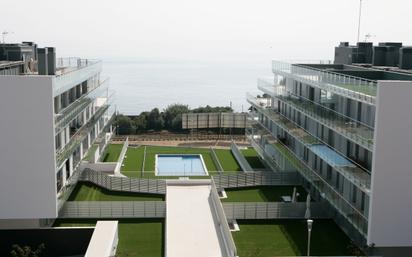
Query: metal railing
79, 71
257, 178
216, 160
350, 128
124, 184
356, 88
354, 173
64, 117
240, 158
221, 221
343, 206
113, 209
274, 210
80, 135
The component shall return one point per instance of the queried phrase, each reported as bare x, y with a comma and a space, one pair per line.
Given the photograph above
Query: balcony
355, 88
64, 118
357, 132
345, 208
80, 135
346, 168
73, 71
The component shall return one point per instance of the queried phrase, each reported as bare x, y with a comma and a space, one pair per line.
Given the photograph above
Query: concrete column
67, 133
81, 150
62, 139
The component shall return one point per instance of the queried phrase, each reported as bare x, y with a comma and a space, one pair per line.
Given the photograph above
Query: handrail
308, 140
352, 87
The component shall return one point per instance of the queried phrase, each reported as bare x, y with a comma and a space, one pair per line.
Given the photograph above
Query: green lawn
151, 152
91, 152
132, 165
134, 159
137, 237
263, 194
252, 158
367, 90
227, 160
267, 238
112, 153
90, 192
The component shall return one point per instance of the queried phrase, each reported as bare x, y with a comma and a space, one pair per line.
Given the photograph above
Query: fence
181, 137
221, 220
265, 178
240, 158
274, 210
124, 184
116, 209
216, 160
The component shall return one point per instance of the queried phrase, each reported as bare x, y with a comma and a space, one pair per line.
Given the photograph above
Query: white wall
390, 211
27, 153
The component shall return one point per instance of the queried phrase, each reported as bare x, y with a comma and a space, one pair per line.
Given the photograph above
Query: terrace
137, 237
139, 162
266, 238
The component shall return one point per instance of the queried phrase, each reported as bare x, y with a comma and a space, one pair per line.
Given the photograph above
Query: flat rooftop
363, 71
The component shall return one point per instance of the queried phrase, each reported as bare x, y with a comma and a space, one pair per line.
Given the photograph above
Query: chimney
51, 60
405, 58
42, 61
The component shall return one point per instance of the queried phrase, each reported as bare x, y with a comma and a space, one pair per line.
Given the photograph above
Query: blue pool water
180, 165
332, 156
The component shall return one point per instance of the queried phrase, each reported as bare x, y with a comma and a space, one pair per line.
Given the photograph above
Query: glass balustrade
356, 88
352, 129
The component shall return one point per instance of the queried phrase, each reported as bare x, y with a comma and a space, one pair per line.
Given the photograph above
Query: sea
141, 85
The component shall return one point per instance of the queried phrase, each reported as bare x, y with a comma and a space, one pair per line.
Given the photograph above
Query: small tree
26, 251
124, 125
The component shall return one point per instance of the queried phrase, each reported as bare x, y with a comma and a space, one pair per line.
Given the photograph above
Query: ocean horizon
141, 85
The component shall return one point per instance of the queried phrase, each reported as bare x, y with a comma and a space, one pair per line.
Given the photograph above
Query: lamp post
310, 222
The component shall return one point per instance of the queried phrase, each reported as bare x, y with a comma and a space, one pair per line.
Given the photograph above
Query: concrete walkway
190, 226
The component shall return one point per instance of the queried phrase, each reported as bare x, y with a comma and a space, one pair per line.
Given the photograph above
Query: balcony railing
345, 208
74, 71
353, 173
356, 88
352, 129
64, 118
80, 135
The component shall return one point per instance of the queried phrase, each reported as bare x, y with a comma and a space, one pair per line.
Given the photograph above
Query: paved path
190, 227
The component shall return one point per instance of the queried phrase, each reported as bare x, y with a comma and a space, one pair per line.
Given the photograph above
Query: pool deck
190, 225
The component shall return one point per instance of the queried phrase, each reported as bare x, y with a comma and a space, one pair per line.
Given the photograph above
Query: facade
52, 110
345, 128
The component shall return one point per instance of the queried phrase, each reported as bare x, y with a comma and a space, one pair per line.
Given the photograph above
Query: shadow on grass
254, 162
102, 194
327, 239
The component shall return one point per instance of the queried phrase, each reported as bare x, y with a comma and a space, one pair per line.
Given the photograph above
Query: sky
214, 29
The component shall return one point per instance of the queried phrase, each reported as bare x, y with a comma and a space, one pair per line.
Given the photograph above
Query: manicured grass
112, 153
227, 160
133, 162
252, 158
151, 152
263, 194
367, 90
137, 237
90, 192
91, 152
267, 238
134, 159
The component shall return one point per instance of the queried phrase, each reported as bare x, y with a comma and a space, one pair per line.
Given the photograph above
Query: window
329, 172
354, 193
59, 180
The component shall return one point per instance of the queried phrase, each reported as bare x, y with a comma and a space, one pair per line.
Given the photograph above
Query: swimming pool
180, 165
